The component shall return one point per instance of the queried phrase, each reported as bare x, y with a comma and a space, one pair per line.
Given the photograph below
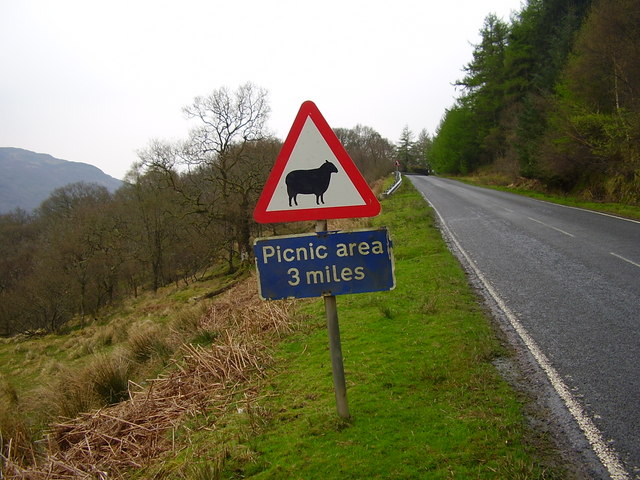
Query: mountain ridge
27, 178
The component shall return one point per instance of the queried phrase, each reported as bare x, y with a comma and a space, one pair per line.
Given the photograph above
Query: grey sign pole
335, 346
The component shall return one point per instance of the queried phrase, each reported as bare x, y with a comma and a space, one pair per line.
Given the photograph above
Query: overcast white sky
94, 81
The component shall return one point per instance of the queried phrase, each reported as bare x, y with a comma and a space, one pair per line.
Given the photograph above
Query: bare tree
372, 154
216, 170
226, 119
72, 218
18, 238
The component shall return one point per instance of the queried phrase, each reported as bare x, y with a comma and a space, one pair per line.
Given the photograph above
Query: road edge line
605, 453
597, 212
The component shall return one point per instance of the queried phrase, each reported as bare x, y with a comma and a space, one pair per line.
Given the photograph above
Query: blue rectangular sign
325, 263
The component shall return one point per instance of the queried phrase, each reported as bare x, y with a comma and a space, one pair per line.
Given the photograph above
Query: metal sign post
335, 346
313, 177
326, 264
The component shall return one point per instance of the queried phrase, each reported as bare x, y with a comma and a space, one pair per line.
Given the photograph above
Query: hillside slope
27, 178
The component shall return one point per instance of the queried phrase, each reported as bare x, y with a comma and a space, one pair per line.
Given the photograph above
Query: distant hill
27, 178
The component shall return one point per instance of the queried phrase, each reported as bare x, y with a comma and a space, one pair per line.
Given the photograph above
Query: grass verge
620, 209
425, 398
45, 376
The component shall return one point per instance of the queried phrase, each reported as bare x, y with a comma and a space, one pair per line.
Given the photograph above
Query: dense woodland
185, 206
553, 96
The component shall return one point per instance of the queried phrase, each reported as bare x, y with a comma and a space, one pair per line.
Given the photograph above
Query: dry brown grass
14, 432
146, 340
106, 443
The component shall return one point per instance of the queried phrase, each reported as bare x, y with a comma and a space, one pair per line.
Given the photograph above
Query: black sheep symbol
314, 181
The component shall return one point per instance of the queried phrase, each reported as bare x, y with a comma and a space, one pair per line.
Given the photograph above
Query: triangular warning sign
313, 177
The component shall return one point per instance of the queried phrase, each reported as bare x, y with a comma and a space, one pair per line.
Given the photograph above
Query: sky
96, 81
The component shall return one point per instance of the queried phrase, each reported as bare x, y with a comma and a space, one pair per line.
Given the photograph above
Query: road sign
313, 177
324, 263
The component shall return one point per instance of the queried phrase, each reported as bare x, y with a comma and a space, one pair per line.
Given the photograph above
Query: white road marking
617, 217
551, 226
625, 259
605, 453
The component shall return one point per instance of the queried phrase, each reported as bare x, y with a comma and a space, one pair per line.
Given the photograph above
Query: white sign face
313, 177
309, 155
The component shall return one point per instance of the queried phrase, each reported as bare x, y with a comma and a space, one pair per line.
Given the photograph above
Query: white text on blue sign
328, 263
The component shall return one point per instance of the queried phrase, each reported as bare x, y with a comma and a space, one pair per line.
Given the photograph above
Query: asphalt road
569, 280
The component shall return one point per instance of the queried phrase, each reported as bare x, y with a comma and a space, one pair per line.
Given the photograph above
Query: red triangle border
371, 208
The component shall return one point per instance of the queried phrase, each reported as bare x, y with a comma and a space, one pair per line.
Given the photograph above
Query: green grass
629, 211
26, 362
86, 367
424, 396
623, 210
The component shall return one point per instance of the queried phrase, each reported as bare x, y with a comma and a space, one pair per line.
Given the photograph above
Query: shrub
109, 378
146, 340
67, 394
15, 433
205, 337
188, 320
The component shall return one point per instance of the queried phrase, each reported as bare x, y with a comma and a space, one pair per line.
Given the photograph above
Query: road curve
568, 280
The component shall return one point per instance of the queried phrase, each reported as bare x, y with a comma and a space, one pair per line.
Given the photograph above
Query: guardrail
395, 186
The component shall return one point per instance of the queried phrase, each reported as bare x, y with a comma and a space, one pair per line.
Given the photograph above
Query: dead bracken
205, 379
